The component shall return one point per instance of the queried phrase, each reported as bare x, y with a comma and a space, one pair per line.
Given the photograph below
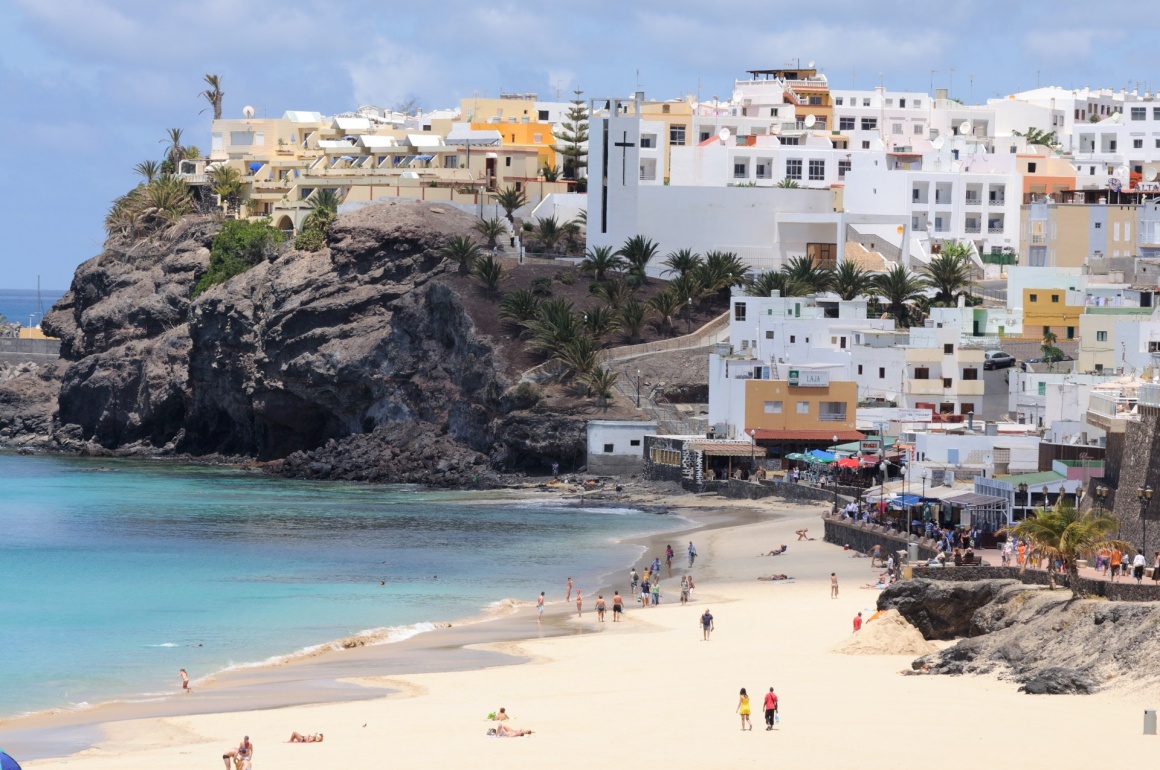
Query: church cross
623, 144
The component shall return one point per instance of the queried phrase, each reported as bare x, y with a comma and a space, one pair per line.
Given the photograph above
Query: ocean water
17, 304
116, 574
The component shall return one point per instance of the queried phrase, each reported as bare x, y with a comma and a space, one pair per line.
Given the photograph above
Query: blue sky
88, 87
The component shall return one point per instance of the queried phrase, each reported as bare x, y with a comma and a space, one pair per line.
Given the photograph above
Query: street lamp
753, 452
1026, 498
638, 388
925, 474
689, 315
1145, 495
1101, 494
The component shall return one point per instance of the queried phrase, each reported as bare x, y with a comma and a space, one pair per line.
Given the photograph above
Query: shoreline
330, 672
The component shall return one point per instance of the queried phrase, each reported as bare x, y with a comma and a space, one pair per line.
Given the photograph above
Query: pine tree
573, 137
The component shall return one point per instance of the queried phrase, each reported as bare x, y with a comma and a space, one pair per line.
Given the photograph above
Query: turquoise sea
19, 305
116, 574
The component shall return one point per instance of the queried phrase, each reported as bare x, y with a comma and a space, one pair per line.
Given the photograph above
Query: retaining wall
862, 537
1120, 591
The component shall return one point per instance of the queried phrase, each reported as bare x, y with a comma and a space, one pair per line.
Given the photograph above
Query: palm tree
554, 326
491, 229
602, 381
633, 317
327, 198
550, 173
165, 201
638, 251
509, 199
600, 321
614, 293
147, 170
852, 281
549, 231
579, 354
682, 261
176, 152
665, 306
721, 271
1037, 136
598, 260
788, 184
805, 270
463, 251
1066, 534
688, 287
900, 288
765, 284
949, 273
489, 271
519, 306
213, 95
226, 182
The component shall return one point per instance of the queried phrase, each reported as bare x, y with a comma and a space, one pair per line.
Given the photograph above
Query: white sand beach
649, 688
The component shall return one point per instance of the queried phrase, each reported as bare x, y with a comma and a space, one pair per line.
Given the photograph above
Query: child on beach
743, 710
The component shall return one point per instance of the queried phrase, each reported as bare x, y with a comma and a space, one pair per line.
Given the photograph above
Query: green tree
638, 251
901, 289
688, 287
1065, 534
572, 137
852, 281
807, 272
462, 251
602, 381
550, 173
580, 355
491, 229
950, 273
614, 293
323, 212
720, 271
764, 284
519, 306
490, 273
237, 247
147, 170
549, 232
600, 321
510, 199
1051, 353
226, 182
600, 260
175, 152
1036, 136
213, 95
682, 261
788, 184
555, 325
633, 317
665, 305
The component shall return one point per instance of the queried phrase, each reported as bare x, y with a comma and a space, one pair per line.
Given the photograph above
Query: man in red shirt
770, 709
858, 622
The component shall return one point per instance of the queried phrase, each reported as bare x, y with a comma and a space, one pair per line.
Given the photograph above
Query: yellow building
1045, 309
526, 136
677, 117
792, 418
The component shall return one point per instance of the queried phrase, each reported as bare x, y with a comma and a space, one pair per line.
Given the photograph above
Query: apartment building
942, 374
1100, 336
1066, 230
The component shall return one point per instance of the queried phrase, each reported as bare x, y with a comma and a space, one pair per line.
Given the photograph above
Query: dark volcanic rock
938, 609
28, 396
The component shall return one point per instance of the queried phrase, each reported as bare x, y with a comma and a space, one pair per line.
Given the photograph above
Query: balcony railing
972, 229
995, 229
1149, 395
999, 200
1038, 240
648, 176
832, 417
974, 200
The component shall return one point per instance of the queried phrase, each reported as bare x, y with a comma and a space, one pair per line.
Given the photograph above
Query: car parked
997, 359
1042, 360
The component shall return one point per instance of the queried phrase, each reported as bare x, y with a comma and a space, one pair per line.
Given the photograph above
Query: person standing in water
185, 681
579, 604
569, 594
540, 607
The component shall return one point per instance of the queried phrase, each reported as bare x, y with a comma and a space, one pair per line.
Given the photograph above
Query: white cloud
389, 73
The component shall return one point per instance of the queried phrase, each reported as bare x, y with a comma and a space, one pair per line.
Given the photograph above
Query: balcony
1149, 395
995, 228
972, 227
974, 200
648, 176
925, 387
998, 200
1112, 411
1038, 240
968, 387
832, 417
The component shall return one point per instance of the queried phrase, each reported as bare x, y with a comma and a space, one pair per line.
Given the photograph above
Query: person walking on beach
617, 607
770, 709
692, 554
706, 625
669, 558
569, 594
600, 608
633, 580
656, 592
184, 681
579, 604
540, 607
833, 585
684, 589
743, 710
858, 622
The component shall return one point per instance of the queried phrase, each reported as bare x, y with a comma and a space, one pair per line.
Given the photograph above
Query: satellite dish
775, 128
810, 121
965, 127
248, 111
938, 143
724, 135
1150, 173
1122, 172
811, 65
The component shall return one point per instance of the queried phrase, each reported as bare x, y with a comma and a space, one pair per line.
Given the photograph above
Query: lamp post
689, 315
1145, 495
638, 388
925, 474
753, 452
1026, 498
1101, 494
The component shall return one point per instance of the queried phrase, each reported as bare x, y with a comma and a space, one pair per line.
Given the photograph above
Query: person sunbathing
776, 552
774, 577
506, 731
297, 737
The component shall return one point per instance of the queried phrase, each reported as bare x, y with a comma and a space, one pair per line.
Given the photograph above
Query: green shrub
567, 278
237, 247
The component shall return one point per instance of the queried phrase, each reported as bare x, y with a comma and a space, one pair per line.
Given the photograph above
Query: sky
88, 87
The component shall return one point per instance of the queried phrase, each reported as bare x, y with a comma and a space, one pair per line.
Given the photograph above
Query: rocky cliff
358, 362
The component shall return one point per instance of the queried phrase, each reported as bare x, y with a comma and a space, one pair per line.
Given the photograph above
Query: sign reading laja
809, 378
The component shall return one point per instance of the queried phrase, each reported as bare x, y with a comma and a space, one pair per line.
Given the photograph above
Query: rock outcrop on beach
358, 362
1045, 640
28, 397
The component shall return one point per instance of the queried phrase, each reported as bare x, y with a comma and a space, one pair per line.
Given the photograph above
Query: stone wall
600, 464
661, 472
1122, 591
1134, 468
862, 537
18, 351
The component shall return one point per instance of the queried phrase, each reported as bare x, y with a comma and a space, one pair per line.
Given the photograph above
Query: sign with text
809, 378
870, 446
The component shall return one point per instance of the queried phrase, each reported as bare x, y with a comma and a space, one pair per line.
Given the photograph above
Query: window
970, 374
738, 311
542, 116
902, 103
1043, 388
882, 372
760, 171
539, 139
1156, 113
664, 109
451, 161
949, 349
1055, 298
865, 101
705, 136
843, 167
803, 407
896, 128
1046, 330
838, 101
918, 104
607, 448
773, 407
921, 373
769, 334
1139, 113
859, 368
1031, 168
918, 129
677, 135
1137, 144
1071, 332
792, 338
1034, 298
740, 171
869, 124
507, 161
817, 170
773, 112
1127, 231
832, 411
866, 145
1101, 336
793, 168
646, 142
1153, 346
1098, 224
816, 101
948, 382
846, 124
889, 102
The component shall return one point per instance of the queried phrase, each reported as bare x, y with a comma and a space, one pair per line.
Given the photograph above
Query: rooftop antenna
972, 97
557, 89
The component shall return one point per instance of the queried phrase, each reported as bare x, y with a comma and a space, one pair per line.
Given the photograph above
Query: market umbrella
848, 462
798, 456
818, 456
7, 762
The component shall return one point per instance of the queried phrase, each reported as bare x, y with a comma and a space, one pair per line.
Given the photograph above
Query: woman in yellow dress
743, 710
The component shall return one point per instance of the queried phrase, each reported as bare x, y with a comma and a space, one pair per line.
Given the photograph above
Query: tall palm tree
852, 281
599, 260
900, 288
580, 355
555, 325
147, 170
721, 271
226, 182
550, 173
509, 199
638, 251
213, 95
688, 287
326, 198
765, 284
805, 270
950, 273
1066, 534
463, 251
600, 321
175, 153
602, 381
682, 261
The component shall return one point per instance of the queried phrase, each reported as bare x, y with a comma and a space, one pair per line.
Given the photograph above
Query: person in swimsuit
579, 605
297, 737
743, 710
617, 607
540, 607
833, 585
600, 608
569, 594
185, 681
242, 754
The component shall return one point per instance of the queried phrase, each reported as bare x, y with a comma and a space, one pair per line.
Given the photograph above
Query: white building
616, 447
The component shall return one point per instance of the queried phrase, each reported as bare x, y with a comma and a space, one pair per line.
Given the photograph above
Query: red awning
807, 435
848, 462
